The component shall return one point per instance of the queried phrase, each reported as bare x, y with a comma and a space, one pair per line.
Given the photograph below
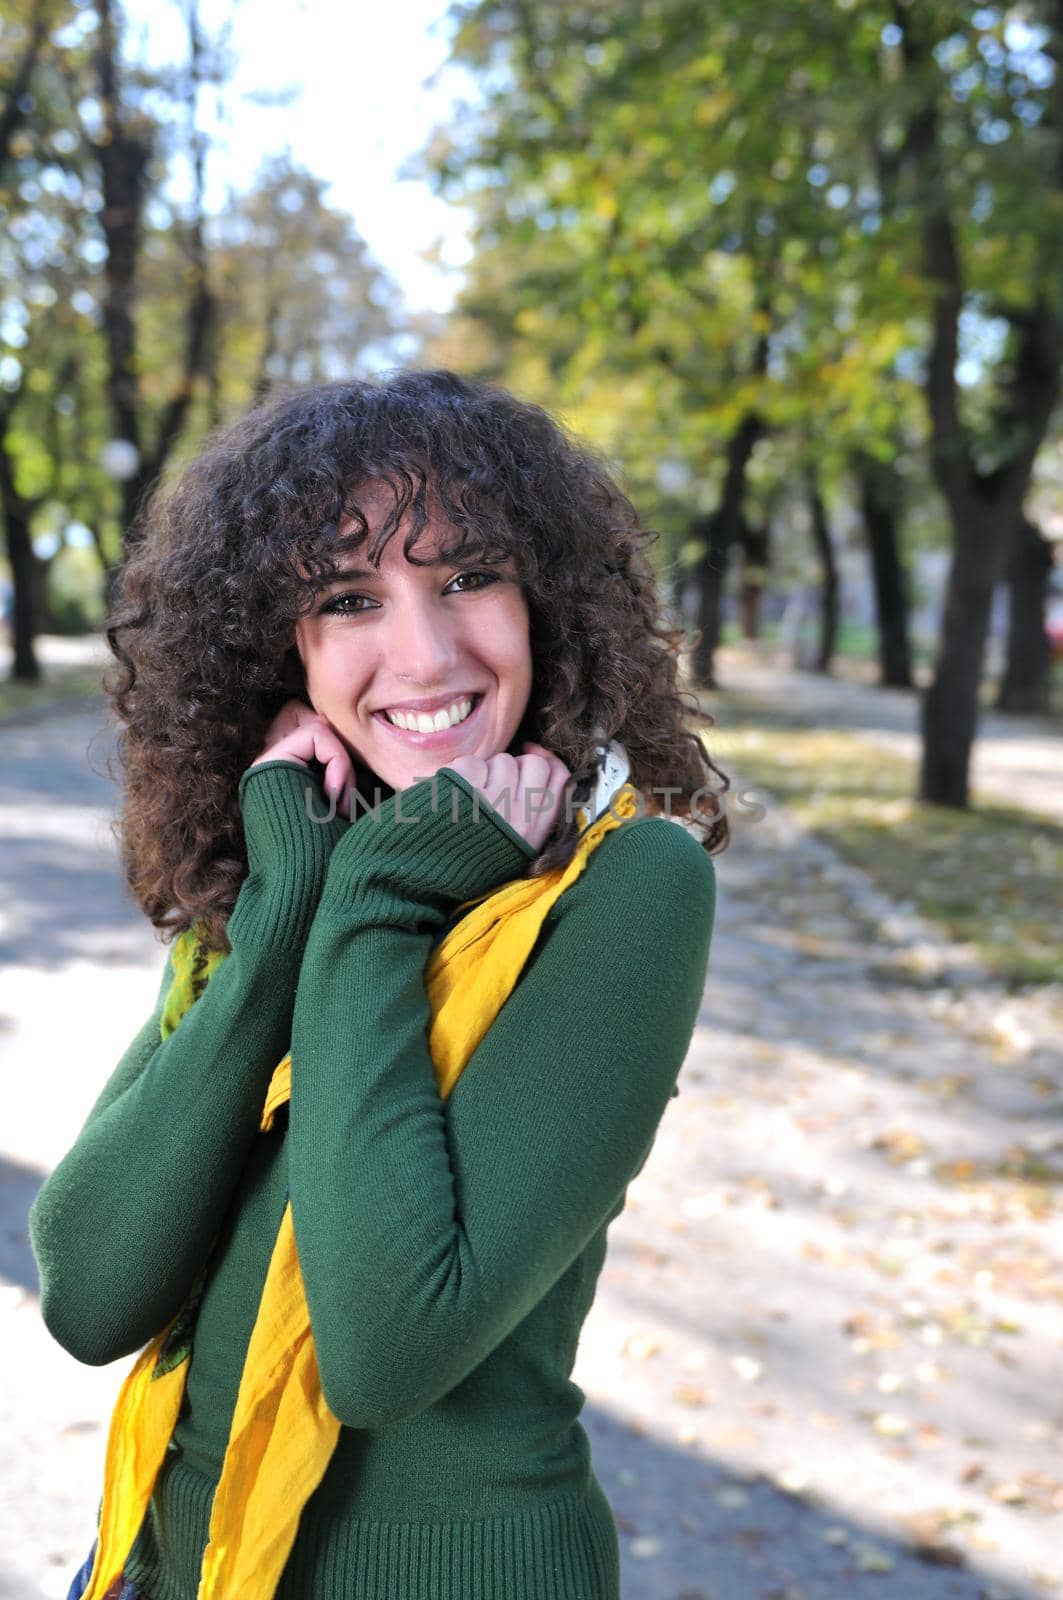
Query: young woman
403, 805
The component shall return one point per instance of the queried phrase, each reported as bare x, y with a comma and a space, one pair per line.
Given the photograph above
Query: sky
363, 107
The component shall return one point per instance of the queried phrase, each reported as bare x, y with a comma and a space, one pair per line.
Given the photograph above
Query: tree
1024, 685
646, 174
37, 221
16, 511
879, 493
823, 544
130, 320
883, 179
984, 480
123, 147
300, 299
756, 559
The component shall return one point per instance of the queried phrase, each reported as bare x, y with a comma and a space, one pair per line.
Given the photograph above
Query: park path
1018, 760
823, 1362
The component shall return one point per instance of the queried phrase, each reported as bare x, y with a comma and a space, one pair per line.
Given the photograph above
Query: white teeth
422, 722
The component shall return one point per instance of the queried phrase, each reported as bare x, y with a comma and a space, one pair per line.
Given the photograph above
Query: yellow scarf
283, 1434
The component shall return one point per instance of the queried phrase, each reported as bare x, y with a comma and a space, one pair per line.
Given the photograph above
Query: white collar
614, 772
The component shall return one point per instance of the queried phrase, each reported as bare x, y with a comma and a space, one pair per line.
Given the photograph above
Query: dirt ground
824, 1358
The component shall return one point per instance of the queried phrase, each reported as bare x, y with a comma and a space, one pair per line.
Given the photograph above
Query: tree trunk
828, 613
269, 347
1025, 684
950, 705
708, 580
16, 105
721, 531
880, 505
756, 543
25, 580
122, 157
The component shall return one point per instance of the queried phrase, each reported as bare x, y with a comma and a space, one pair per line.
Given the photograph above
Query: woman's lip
440, 736
439, 702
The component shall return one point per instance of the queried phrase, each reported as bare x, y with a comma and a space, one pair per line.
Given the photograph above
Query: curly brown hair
226, 563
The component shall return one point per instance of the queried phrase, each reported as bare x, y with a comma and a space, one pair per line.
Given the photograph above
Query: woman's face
418, 641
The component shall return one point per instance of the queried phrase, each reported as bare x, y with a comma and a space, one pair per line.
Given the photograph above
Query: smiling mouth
430, 736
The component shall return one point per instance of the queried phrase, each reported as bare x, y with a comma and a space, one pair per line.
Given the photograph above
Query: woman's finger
506, 782
321, 743
545, 772
290, 717
559, 772
313, 738
471, 768
339, 773
536, 798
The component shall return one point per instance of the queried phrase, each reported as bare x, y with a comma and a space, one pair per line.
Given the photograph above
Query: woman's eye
488, 577
336, 604
346, 605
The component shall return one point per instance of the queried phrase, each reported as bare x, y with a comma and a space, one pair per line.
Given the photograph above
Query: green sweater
449, 1249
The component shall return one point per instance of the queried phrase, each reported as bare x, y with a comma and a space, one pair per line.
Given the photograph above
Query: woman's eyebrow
353, 574
370, 574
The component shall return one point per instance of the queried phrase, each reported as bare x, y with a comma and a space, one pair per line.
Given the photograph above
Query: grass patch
988, 877
57, 683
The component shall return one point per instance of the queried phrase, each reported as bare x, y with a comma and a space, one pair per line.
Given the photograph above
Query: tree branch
199, 315
14, 113
949, 449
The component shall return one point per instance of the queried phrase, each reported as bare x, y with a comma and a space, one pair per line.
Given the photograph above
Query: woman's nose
421, 645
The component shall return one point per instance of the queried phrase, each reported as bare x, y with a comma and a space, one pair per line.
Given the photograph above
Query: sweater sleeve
122, 1226
428, 1229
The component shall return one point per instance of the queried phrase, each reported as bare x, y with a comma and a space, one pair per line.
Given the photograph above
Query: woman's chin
400, 772
370, 785
382, 784
427, 767
392, 773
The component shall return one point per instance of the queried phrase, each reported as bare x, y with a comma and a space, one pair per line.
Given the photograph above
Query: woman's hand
298, 733
535, 781
527, 790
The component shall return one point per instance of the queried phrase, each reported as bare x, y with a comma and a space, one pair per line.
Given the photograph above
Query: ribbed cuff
290, 839
439, 839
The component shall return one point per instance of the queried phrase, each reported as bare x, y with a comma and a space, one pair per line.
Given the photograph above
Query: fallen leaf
962, 1171
929, 1543
688, 1394
891, 1424
899, 1145
747, 1369
871, 1558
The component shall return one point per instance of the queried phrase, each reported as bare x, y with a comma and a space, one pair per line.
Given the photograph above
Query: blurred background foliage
794, 268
